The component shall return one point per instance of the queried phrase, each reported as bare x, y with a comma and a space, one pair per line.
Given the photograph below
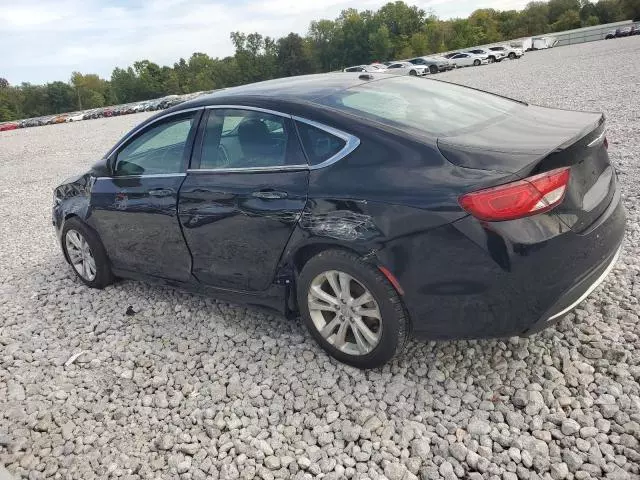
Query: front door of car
242, 196
135, 210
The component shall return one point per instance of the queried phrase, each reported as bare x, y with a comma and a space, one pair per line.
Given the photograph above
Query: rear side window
318, 144
428, 106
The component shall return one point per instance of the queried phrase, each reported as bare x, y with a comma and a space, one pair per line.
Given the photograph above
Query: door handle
161, 192
269, 194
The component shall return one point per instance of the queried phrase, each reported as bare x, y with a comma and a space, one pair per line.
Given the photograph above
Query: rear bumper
475, 280
577, 294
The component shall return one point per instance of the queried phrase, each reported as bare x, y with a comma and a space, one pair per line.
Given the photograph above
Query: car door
462, 59
242, 196
135, 209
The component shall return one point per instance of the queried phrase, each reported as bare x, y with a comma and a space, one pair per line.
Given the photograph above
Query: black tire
413, 73
476, 62
512, 55
394, 320
491, 59
433, 69
103, 274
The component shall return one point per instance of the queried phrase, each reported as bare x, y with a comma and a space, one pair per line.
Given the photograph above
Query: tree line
395, 31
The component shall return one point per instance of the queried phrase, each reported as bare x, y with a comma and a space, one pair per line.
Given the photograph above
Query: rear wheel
476, 62
351, 309
512, 55
433, 69
491, 59
86, 254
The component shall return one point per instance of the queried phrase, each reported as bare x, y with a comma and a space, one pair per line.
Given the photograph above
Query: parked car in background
623, 31
468, 59
8, 126
491, 56
378, 66
407, 68
510, 52
76, 117
398, 213
635, 29
434, 65
362, 68
449, 55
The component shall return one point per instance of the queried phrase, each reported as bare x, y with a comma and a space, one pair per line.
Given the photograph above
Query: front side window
318, 144
244, 139
158, 150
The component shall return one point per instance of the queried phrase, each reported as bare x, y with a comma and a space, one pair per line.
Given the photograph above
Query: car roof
304, 88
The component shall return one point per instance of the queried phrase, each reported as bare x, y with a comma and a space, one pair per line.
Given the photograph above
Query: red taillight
533, 195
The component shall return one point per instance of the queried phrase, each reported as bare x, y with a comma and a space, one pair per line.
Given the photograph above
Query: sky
46, 40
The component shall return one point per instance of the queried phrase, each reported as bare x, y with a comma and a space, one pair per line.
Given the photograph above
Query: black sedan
373, 206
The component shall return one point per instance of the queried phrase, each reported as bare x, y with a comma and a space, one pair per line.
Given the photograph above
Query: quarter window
244, 139
318, 144
159, 149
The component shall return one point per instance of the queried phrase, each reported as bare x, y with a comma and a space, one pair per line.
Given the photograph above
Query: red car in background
8, 126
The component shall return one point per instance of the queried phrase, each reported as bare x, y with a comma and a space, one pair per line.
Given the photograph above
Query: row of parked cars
432, 64
112, 111
627, 31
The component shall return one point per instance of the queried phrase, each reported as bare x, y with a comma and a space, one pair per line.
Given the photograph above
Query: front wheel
433, 69
86, 254
351, 309
476, 62
512, 55
413, 73
491, 59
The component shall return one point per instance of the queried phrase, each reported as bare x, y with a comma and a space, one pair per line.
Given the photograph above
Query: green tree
60, 97
568, 20
380, 42
293, 56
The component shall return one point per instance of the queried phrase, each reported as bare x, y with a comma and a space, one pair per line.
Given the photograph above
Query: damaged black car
374, 207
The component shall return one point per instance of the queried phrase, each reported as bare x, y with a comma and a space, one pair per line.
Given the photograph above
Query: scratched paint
339, 224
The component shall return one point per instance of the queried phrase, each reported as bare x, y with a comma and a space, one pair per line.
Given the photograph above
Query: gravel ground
190, 388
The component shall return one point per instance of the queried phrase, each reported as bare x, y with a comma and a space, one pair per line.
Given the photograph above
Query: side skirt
274, 297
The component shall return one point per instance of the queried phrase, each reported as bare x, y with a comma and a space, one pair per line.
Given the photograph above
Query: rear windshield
433, 107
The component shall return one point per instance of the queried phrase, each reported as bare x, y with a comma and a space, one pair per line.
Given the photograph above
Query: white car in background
510, 52
465, 59
490, 55
406, 68
75, 117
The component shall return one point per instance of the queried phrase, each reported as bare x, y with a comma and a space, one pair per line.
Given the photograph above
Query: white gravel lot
189, 388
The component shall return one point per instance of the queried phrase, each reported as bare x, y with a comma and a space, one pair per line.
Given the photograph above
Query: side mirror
101, 168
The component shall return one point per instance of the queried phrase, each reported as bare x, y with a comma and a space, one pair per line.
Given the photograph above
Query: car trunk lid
562, 139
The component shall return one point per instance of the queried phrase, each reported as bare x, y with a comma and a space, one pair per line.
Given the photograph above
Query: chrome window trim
282, 168
151, 175
141, 127
246, 107
351, 142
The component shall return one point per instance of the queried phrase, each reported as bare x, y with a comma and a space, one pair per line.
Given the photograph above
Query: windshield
429, 106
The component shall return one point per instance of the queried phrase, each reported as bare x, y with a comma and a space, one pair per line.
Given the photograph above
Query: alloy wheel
345, 312
80, 255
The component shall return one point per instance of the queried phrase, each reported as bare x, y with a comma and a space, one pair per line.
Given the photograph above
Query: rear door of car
243, 195
135, 209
